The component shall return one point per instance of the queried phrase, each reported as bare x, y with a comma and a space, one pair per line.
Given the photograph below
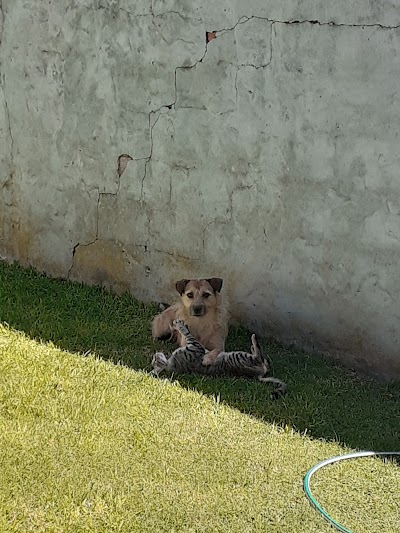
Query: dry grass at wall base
90, 443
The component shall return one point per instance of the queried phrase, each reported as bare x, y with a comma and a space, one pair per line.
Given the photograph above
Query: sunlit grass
88, 444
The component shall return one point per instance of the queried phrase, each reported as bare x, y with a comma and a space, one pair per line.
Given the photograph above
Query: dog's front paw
207, 359
210, 357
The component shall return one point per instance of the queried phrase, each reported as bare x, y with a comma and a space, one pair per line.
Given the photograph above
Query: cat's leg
159, 363
280, 387
179, 325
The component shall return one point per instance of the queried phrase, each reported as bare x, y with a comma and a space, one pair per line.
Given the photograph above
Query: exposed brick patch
122, 163
210, 36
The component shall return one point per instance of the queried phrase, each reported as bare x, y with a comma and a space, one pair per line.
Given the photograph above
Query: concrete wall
269, 156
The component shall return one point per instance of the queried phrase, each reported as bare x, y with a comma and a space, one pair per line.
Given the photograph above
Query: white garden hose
307, 477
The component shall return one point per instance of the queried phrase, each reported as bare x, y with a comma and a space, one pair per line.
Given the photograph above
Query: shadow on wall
323, 400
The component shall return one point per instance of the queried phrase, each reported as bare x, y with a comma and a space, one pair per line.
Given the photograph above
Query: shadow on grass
323, 400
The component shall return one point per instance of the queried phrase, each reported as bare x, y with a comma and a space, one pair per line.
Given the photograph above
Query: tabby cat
189, 359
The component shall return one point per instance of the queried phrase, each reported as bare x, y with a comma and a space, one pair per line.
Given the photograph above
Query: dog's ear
216, 284
181, 285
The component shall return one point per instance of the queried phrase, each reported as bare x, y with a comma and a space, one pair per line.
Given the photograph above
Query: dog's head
199, 295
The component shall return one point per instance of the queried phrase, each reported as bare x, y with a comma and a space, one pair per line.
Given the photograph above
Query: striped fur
189, 359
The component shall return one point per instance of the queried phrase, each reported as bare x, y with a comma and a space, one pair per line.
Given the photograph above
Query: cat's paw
159, 363
178, 324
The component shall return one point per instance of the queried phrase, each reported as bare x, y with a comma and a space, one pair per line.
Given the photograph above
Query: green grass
89, 444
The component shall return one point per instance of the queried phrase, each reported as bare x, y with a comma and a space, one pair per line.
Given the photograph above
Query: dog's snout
197, 310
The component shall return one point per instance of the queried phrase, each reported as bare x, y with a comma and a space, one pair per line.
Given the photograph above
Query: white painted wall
269, 156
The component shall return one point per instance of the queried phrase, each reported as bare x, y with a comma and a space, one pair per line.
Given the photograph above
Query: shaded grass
87, 445
76, 317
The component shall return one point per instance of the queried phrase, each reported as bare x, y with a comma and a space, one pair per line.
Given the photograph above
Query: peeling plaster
123, 161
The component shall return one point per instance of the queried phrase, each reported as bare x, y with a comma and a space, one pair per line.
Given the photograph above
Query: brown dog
202, 309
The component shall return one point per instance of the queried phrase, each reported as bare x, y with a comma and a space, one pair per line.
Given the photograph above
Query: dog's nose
198, 309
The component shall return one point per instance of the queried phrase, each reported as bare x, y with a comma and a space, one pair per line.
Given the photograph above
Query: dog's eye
206, 295
189, 295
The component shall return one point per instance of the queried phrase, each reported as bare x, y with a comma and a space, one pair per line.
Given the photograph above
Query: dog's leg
210, 357
162, 323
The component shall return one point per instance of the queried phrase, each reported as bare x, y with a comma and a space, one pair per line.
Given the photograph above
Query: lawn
89, 442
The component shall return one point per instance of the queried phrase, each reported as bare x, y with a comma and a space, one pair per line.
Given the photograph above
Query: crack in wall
8, 182
119, 174
228, 219
157, 112
78, 244
244, 19
204, 231
175, 255
3, 87
113, 10
236, 87
250, 65
9, 127
265, 65
145, 248
1, 20
148, 159
219, 33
